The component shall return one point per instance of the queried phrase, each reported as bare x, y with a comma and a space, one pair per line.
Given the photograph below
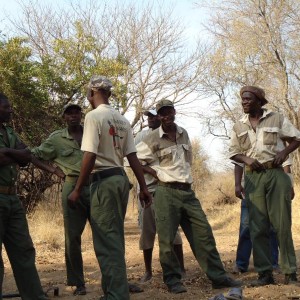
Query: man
244, 247
147, 215
258, 140
14, 233
63, 148
107, 138
168, 151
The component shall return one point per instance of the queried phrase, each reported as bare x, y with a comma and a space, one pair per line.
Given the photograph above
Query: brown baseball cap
257, 91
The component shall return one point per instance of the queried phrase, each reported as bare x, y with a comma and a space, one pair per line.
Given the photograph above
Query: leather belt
267, 165
8, 190
176, 185
106, 173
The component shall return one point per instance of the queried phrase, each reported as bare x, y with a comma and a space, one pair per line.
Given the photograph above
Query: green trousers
74, 223
268, 195
174, 207
109, 198
14, 234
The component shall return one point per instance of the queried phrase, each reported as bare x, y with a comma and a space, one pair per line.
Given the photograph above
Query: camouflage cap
163, 103
98, 82
257, 91
69, 106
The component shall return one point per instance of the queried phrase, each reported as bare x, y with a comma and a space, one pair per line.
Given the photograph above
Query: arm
149, 170
281, 156
238, 174
19, 156
47, 167
145, 196
87, 165
254, 164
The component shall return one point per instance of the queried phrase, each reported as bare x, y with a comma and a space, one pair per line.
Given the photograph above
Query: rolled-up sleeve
234, 147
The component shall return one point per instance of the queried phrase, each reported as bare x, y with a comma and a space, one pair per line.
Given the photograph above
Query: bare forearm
87, 165
20, 156
5, 160
42, 164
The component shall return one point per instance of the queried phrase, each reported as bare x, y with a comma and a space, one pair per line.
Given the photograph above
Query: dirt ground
50, 264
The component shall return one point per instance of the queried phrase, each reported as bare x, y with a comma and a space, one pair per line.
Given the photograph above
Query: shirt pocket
165, 157
187, 153
244, 140
270, 135
68, 156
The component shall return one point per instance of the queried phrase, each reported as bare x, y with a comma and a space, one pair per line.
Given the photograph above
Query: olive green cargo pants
14, 234
174, 207
268, 195
109, 198
74, 223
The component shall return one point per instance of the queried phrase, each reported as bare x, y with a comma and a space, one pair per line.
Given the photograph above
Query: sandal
235, 294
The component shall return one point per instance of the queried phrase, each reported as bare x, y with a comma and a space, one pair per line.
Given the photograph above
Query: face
153, 121
73, 116
167, 115
5, 111
250, 103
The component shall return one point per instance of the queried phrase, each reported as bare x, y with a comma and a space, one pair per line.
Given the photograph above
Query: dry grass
46, 223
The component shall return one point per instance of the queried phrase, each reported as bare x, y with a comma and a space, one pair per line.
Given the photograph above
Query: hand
239, 192
73, 199
58, 172
145, 198
279, 158
254, 164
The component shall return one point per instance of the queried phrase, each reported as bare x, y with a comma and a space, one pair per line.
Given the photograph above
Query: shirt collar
65, 134
245, 117
162, 133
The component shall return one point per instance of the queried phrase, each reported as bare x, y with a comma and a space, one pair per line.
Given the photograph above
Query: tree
142, 49
255, 43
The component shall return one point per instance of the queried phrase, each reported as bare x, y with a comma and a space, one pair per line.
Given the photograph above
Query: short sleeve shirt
266, 141
171, 160
108, 135
63, 150
8, 173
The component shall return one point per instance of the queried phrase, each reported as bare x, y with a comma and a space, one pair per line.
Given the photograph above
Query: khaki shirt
63, 150
107, 134
8, 173
268, 139
171, 160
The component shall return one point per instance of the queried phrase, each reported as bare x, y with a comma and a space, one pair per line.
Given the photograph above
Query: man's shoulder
57, 133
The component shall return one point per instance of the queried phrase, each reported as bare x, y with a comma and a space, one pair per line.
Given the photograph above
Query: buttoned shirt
8, 173
272, 130
108, 135
171, 160
61, 148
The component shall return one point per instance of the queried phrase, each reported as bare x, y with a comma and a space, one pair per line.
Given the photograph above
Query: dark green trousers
109, 198
174, 207
268, 195
14, 234
74, 223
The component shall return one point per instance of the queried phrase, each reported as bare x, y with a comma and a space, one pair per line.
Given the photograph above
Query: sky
192, 17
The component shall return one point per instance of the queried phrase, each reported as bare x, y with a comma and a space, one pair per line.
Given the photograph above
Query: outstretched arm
47, 167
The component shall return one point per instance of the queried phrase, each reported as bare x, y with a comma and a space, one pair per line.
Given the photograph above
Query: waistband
106, 173
267, 165
8, 190
73, 179
176, 185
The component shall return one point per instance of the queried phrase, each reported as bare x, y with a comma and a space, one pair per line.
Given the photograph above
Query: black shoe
227, 282
264, 278
80, 290
133, 288
177, 288
290, 278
